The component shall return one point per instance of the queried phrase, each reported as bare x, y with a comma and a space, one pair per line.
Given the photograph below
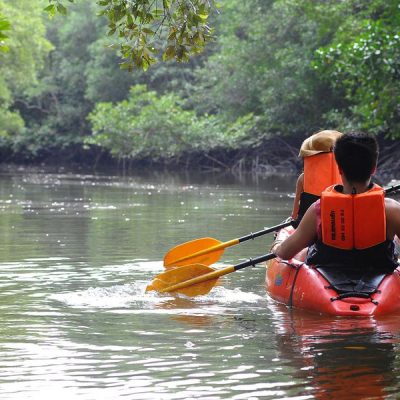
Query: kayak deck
328, 291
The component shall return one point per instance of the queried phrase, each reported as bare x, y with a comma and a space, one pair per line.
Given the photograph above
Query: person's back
356, 155
352, 231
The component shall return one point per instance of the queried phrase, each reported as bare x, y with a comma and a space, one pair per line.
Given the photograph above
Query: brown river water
76, 253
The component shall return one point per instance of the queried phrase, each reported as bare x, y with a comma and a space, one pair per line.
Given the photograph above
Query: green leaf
145, 64
61, 9
51, 7
4, 25
158, 13
169, 53
153, 49
51, 10
148, 31
172, 35
129, 19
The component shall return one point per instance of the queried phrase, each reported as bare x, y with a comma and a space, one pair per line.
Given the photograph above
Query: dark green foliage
362, 64
278, 68
264, 67
159, 128
20, 66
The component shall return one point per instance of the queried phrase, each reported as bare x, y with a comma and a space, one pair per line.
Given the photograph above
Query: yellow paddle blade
205, 251
181, 275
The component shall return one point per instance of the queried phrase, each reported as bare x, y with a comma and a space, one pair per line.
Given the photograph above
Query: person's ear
374, 170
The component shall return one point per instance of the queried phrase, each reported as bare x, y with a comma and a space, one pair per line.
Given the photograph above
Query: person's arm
392, 218
303, 236
299, 191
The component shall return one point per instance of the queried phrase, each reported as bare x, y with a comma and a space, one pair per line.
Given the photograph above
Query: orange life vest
353, 221
320, 171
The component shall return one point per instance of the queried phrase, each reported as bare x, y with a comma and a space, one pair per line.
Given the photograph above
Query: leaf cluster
173, 29
362, 63
4, 26
159, 127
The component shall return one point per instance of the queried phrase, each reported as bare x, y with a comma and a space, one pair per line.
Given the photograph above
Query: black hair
356, 154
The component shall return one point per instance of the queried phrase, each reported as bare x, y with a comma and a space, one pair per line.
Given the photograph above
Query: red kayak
329, 291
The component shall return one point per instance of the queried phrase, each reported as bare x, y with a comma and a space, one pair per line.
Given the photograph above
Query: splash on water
134, 297
223, 295
117, 296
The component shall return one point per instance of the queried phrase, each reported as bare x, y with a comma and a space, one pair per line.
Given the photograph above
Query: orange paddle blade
187, 253
184, 275
205, 251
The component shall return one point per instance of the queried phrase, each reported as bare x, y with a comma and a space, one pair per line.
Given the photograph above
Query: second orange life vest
320, 171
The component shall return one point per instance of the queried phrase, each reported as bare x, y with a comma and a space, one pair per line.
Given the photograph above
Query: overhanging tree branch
137, 25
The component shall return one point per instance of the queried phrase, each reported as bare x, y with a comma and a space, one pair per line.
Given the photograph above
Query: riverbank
274, 156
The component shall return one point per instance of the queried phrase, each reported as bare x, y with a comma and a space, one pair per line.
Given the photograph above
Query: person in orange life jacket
320, 171
353, 225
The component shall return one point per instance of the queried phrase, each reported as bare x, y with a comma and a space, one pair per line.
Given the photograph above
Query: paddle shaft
264, 231
392, 189
232, 242
216, 274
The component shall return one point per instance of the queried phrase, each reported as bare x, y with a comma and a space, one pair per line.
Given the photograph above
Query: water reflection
341, 357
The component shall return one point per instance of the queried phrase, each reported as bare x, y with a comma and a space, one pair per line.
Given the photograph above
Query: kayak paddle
207, 251
197, 279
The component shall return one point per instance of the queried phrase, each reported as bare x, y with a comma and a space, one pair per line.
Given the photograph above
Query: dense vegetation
277, 69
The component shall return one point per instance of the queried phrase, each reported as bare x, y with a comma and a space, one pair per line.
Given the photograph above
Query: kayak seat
351, 283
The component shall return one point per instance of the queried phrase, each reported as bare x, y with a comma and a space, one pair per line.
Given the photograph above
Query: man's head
356, 154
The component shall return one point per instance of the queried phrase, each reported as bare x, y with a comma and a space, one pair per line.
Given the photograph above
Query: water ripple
76, 322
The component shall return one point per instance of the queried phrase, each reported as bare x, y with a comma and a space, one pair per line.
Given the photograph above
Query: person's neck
355, 187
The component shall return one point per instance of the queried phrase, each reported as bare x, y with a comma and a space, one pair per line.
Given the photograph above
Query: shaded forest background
278, 71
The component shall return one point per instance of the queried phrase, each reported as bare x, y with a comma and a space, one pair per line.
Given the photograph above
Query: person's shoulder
391, 204
300, 183
300, 178
392, 208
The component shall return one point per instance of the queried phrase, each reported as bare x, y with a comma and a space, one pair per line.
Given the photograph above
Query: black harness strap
351, 283
297, 268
